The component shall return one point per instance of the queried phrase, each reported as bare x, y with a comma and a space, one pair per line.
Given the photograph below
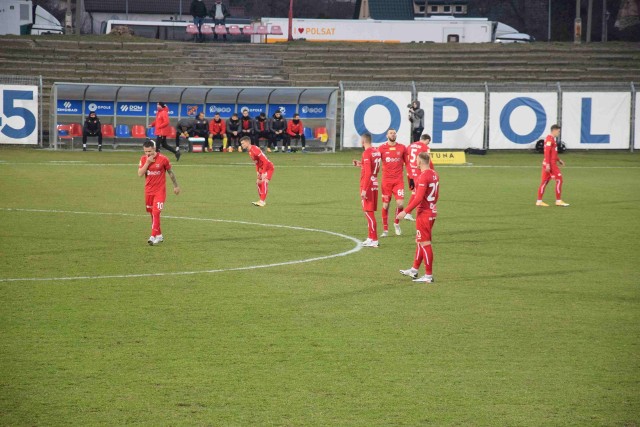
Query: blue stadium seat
151, 132
308, 133
122, 131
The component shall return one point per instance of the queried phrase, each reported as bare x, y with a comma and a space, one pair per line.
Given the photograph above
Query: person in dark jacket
199, 12
262, 130
279, 131
92, 127
416, 117
184, 129
246, 125
233, 132
201, 129
219, 13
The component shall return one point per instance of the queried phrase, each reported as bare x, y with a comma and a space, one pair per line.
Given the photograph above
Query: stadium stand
310, 64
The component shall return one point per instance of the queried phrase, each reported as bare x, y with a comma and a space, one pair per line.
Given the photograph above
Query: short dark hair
245, 138
425, 136
554, 127
149, 143
425, 157
296, 115
367, 136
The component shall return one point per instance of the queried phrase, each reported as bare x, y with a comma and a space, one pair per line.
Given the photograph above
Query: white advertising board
518, 120
455, 120
375, 112
18, 114
596, 120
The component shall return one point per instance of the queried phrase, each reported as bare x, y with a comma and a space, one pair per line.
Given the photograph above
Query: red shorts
155, 201
370, 204
395, 188
424, 225
269, 173
554, 174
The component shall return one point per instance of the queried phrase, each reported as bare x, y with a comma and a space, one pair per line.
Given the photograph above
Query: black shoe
99, 147
178, 154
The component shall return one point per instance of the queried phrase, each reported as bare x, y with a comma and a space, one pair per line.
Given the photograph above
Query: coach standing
416, 117
199, 12
163, 129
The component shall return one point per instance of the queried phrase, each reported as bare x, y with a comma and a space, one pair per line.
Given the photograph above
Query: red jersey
550, 151
294, 129
369, 168
393, 159
262, 163
411, 159
427, 191
217, 128
155, 181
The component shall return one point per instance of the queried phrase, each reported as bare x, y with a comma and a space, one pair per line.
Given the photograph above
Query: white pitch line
320, 166
355, 249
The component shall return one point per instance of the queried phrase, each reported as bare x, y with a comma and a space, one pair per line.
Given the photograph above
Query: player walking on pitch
413, 171
550, 169
369, 168
427, 191
393, 160
153, 167
264, 168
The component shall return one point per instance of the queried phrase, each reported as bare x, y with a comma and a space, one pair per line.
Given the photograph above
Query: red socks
396, 220
155, 223
372, 225
418, 258
385, 219
427, 253
263, 189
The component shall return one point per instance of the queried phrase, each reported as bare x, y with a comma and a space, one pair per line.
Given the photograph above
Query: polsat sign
317, 31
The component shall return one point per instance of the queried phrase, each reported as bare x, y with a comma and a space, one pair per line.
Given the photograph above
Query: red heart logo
301, 30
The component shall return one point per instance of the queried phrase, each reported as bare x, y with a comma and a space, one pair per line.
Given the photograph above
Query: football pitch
276, 316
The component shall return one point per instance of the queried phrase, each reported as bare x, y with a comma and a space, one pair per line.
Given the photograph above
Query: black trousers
85, 135
162, 141
301, 137
416, 134
265, 135
233, 140
178, 136
284, 137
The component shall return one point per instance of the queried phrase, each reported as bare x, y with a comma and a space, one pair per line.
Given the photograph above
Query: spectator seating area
111, 60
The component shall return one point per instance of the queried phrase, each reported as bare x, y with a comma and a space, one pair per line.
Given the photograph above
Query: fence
495, 115
21, 108
131, 105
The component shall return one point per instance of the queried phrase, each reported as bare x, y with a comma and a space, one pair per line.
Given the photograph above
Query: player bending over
264, 169
427, 189
393, 160
153, 167
369, 168
411, 160
550, 169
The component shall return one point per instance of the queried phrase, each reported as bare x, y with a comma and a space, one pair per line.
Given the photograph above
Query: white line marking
320, 166
355, 249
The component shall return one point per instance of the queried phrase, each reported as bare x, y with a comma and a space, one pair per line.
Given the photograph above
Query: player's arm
174, 180
142, 170
547, 156
366, 183
421, 190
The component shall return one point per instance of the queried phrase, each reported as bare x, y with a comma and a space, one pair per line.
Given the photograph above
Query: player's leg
417, 260
398, 192
559, 181
157, 206
546, 176
424, 225
149, 208
386, 199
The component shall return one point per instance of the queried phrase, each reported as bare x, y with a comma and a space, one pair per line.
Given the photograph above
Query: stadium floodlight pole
290, 38
589, 16
68, 19
577, 25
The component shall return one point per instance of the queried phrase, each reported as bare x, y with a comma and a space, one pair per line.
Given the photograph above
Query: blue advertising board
69, 107
225, 109
101, 108
136, 109
313, 111
287, 110
191, 110
254, 109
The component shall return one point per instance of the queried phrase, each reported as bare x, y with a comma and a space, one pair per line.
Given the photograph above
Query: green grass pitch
534, 318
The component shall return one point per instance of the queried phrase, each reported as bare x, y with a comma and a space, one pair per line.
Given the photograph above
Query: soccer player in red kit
369, 168
153, 167
393, 160
427, 192
411, 160
550, 169
264, 168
